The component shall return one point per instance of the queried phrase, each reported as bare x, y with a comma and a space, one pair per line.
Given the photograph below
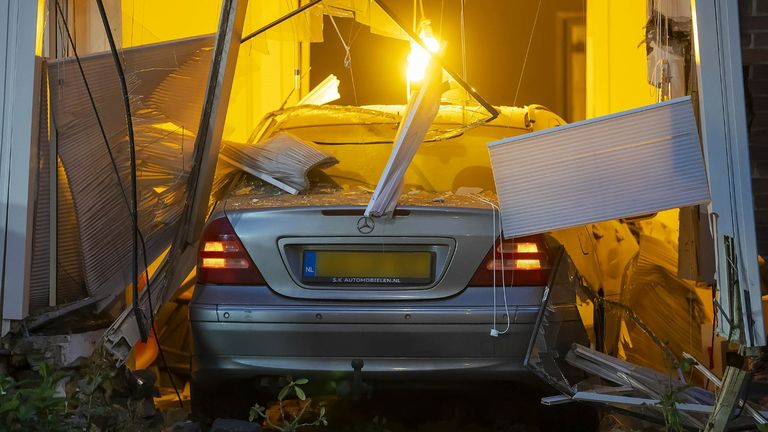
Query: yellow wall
264, 75
616, 60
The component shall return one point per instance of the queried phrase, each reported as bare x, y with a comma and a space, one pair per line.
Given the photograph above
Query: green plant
668, 403
93, 393
289, 422
33, 405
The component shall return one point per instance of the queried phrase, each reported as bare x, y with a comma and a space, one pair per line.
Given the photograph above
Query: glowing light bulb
418, 59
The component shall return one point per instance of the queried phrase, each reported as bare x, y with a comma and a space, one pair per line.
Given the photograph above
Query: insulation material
282, 160
622, 165
419, 115
164, 85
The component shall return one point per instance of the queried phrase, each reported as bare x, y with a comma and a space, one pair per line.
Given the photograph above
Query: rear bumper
270, 335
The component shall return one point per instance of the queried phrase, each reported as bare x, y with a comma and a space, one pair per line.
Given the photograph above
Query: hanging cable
347, 56
497, 232
132, 154
527, 51
442, 9
122, 190
463, 45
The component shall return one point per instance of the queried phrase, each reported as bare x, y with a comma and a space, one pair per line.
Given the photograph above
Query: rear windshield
252, 193
453, 157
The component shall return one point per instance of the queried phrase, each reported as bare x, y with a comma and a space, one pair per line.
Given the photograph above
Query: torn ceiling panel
163, 79
627, 164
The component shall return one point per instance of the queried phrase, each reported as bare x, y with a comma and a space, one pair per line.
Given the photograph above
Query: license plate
368, 267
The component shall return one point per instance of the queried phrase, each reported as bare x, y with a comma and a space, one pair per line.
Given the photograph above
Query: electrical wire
122, 190
347, 56
132, 156
527, 51
497, 237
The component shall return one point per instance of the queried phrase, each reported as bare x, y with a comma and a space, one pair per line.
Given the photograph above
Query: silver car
308, 286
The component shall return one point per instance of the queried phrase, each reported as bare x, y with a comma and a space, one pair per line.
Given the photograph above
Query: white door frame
717, 45
19, 102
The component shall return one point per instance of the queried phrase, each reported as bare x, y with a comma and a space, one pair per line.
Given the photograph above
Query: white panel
626, 164
726, 148
19, 81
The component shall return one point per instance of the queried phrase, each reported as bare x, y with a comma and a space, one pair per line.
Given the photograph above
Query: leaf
300, 393
284, 392
322, 411
301, 381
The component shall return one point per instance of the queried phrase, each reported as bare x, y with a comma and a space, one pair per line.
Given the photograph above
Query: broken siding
164, 143
612, 167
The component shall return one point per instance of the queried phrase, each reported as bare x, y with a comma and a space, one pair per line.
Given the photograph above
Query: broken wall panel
667, 304
622, 165
69, 284
159, 78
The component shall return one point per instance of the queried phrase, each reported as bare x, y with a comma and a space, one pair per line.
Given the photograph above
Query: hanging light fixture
418, 59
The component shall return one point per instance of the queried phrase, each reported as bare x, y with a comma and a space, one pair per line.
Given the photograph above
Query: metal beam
635, 401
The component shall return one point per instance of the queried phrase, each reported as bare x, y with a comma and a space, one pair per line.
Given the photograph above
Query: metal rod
279, 20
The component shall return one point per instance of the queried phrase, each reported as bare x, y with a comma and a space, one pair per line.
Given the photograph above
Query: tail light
223, 259
514, 262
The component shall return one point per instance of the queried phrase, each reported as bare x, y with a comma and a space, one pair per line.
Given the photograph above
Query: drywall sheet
622, 165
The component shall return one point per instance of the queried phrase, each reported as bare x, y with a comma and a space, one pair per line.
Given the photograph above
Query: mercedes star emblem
365, 225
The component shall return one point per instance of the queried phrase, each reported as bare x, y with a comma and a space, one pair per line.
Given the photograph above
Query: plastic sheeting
166, 100
667, 303
69, 284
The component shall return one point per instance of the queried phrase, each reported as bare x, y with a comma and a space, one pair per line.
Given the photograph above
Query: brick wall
754, 42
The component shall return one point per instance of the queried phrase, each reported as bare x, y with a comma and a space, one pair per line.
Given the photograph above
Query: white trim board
19, 102
726, 150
